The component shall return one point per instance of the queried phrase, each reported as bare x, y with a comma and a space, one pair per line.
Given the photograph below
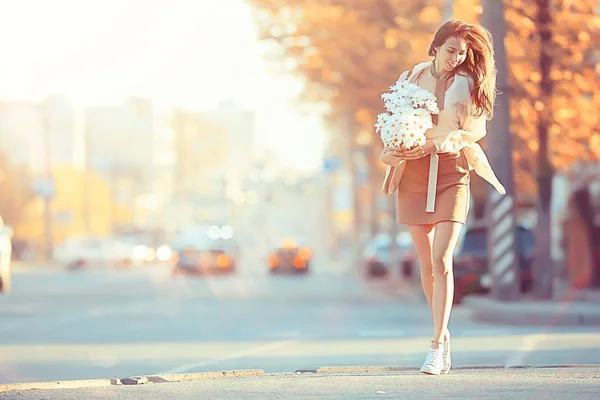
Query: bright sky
190, 53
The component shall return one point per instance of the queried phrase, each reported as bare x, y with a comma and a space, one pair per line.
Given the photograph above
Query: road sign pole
503, 260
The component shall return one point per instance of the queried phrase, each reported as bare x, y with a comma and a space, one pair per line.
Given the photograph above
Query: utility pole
543, 267
46, 187
355, 185
356, 211
503, 260
81, 158
448, 10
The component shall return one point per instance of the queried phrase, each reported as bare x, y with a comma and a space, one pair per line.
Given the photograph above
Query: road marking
240, 354
529, 344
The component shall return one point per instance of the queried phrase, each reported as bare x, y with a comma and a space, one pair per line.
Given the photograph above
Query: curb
137, 380
204, 375
565, 314
71, 384
173, 378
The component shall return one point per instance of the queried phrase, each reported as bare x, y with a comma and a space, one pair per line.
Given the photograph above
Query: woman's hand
391, 157
420, 151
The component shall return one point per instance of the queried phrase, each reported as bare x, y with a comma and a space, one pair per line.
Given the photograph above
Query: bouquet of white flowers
408, 117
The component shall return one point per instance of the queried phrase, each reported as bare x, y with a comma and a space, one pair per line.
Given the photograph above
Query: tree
16, 188
555, 83
543, 260
348, 51
554, 75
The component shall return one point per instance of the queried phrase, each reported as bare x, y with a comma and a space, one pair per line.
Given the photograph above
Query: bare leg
444, 243
422, 236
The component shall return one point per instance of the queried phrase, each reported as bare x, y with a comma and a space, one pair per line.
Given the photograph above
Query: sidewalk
570, 311
579, 382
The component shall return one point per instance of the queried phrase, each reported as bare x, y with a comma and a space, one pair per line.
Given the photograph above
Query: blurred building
212, 148
201, 155
58, 118
238, 126
119, 139
118, 143
212, 153
35, 132
20, 129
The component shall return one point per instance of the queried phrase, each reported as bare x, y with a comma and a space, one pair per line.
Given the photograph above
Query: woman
432, 181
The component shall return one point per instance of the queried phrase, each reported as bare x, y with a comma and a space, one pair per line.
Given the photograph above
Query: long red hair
479, 63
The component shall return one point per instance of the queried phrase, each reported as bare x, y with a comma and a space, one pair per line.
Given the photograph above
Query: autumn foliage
350, 52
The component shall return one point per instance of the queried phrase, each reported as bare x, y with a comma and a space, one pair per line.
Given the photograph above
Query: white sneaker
434, 363
447, 359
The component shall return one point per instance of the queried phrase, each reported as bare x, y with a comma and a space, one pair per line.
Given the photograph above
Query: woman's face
451, 54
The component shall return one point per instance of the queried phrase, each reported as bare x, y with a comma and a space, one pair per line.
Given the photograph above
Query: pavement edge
487, 310
135, 380
68, 384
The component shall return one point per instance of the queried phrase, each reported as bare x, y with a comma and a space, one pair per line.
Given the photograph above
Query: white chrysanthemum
408, 117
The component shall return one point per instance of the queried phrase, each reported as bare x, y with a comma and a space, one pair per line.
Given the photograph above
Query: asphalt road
535, 384
58, 325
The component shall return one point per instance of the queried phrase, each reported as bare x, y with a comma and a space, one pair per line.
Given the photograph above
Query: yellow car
289, 258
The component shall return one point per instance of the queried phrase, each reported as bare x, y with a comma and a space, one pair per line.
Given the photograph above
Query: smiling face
451, 54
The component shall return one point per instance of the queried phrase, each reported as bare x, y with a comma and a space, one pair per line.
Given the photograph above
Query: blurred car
290, 257
6, 234
148, 245
203, 250
471, 275
379, 259
93, 251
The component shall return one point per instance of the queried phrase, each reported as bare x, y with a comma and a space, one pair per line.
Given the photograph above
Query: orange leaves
430, 15
354, 49
595, 145
467, 10
391, 38
576, 36
363, 116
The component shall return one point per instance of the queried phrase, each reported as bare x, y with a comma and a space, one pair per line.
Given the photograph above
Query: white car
95, 252
5, 256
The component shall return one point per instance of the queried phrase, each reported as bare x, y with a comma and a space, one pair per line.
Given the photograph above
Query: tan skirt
452, 197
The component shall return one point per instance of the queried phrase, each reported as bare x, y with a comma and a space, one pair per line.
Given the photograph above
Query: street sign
45, 188
64, 217
331, 164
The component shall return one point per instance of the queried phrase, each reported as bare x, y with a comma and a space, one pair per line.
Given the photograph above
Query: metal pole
48, 183
81, 160
356, 210
503, 260
448, 10
331, 254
